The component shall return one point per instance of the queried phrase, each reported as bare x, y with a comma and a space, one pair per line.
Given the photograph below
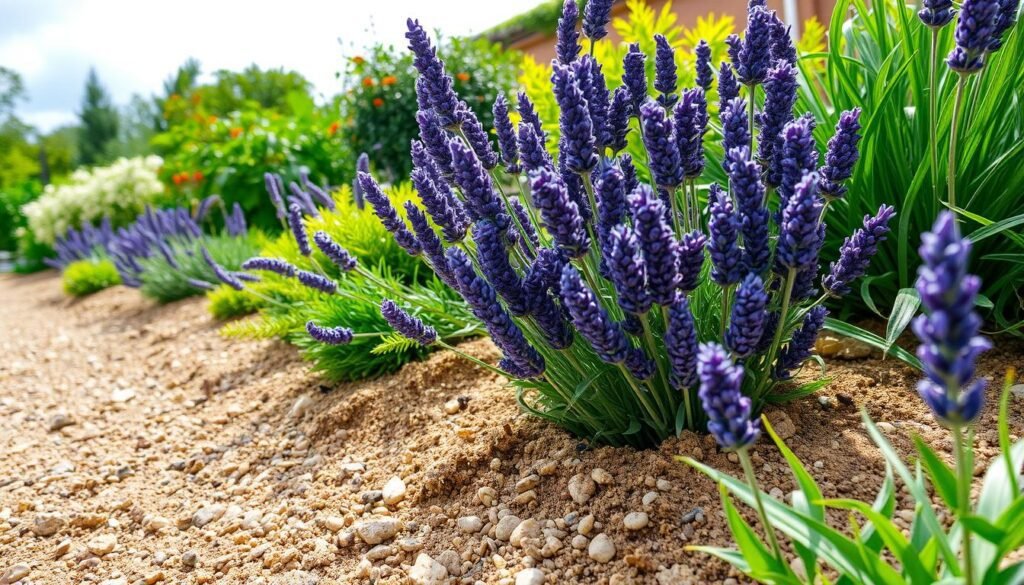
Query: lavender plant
598, 287
975, 543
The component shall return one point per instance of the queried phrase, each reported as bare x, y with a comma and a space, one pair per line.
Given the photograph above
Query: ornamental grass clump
951, 539
598, 273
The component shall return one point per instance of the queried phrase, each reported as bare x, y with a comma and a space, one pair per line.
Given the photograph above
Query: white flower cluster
119, 191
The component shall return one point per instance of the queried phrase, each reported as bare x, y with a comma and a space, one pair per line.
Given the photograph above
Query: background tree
99, 122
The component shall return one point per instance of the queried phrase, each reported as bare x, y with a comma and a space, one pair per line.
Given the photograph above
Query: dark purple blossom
797, 157
275, 188
734, 44
658, 244
319, 195
681, 342
526, 225
431, 245
204, 208
387, 215
640, 366
298, 229
598, 100
799, 236
782, 49
723, 232
234, 223
690, 118
936, 13
596, 16
691, 260
746, 322
338, 255
407, 325
627, 268
492, 256
728, 410
801, 343
780, 96
1004, 20
531, 149
705, 75
974, 34
435, 139
437, 86
558, 212
628, 172
634, 76
568, 45
200, 284
578, 143
529, 115
591, 319
618, 119
949, 329
748, 190
735, 127
841, 155
755, 54
275, 265
506, 135
329, 335
856, 252
316, 281
666, 78
220, 272
477, 188
728, 87
660, 139
443, 207
476, 136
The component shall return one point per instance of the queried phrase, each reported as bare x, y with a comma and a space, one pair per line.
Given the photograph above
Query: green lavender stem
951, 177
748, 471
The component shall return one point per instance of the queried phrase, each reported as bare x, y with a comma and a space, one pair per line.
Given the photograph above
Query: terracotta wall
542, 47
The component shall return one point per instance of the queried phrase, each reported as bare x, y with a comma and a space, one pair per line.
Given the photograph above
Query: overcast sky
136, 44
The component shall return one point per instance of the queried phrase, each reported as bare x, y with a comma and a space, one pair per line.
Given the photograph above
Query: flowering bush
979, 546
594, 284
379, 114
119, 192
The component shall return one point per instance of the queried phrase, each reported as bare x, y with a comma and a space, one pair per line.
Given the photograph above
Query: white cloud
136, 45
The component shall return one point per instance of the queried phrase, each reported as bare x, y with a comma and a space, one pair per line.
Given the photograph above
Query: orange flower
389, 80
368, 82
179, 178
212, 120
196, 98
333, 128
378, 102
358, 60
462, 76
197, 176
235, 132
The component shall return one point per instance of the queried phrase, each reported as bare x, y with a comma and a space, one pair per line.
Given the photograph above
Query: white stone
377, 531
470, 524
301, 406
581, 488
601, 476
503, 531
208, 514
47, 524
636, 521
427, 571
122, 395
102, 545
394, 491
530, 577
601, 549
528, 528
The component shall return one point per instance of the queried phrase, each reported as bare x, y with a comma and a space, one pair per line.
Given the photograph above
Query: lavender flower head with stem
568, 45
691, 259
1006, 18
681, 342
618, 119
690, 122
387, 215
728, 410
936, 13
659, 137
578, 142
362, 166
800, 343
749, 192
723, 244
856, 252
949, 329
705, 76
658, 244
436, 85
298, 229
596, 16
797, 157
735, 127
338, 255
477, 188
506, 135
634, 76
780, 97
728, 87
559, 212
492, 256
274, 188
476, 136
666, 78
220, 272
407, 325
275, 265
628, 270
841, 155
748, 317
974, 33
591, 319
329, 335
799, 236
316, 281
755, 53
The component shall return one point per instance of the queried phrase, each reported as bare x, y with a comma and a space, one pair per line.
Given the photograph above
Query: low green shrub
166, 282
85, 277
227, 303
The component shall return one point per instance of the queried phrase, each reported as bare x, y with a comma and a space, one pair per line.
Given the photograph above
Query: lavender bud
950, 343
338, 255
475, 182
362, 166
856, 252
320, 197
728, 87
628, 173
659, 246
841, 155
316, 281
476, 136
528, 229
796, 158
799, 237
628, 271
735, 128
681, 343
1006, 18
201, 212
618, 119
558, 212
705, 76
437, 86
634, 76
728, 410
433, 250
782, 42
200, 284
532, 149
690, 118
219, 271
574, 120
506, 135
746, 323
275, 265
387, 215
592, 320
528, 115
274, 189
597, 97
659, 136
780, 97
974, 33
639, 365
329, 335
723, 229
436, 140
443, 207
801, 343
568, 45
755, 54
691, 260
407, 325
665, 77
746, 186
596, 16
298, 229
493, 259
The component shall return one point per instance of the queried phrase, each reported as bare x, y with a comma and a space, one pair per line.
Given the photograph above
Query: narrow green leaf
939, 473
903, 310
871, 339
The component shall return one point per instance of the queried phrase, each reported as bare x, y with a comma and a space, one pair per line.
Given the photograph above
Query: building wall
542, 47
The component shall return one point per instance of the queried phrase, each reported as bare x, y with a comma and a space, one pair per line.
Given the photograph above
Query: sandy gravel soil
141, 447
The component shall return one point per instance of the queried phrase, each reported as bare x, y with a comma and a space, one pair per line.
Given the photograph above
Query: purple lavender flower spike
246, 277
529, 115
801, 343
681, 343
610, 191
273, 183
659, 136
690, 120
949, 329
319, 196
780, 97
799, 237
568, 45
936, 13
529, 231
598, 101
782, 49
735, 128
796, 158
493, 259
618, 119
531, 149
387, 215
203, 210
628, 173
574, 120
362, 166
275, 265
755, 54
436, 140
200, 284
476, 136
746, 322
734, 45
748, 190
432, 247
338, 255
298, 229
723, 229
666, 78
728, 410
728, 87
1006, 18
841, 155
558, 212
437, 86
591, 319
407, 325
856, 252
483, 302
316, 281
444, 209
705, 76
628, 271
222, 275
234, 223
691, 260
596, 16
477, 187
640, 366
550, 320
506, 135
659, 246
634, 76
803, 283
329, 335
974, 34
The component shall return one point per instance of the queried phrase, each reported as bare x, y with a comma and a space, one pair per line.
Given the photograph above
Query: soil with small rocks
139, 446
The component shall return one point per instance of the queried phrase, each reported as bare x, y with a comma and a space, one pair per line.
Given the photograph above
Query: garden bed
139, 444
